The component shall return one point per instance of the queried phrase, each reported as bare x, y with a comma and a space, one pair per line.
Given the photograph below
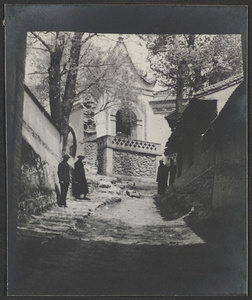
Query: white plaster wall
157, 128
222, 96
76, 122
101, 124
42, 135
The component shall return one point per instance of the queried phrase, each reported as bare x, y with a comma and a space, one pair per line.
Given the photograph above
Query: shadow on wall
38, 190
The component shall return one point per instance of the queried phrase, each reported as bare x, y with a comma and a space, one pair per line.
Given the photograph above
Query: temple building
118, 137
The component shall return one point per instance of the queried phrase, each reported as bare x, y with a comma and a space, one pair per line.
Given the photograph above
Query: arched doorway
71, 143
126, 123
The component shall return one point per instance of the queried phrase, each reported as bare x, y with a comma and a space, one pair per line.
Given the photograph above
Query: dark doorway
126, 123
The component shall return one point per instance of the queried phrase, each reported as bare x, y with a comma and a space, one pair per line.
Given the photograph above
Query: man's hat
81, 156
66, 156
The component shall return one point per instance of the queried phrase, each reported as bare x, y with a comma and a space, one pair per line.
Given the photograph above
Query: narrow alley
122, 246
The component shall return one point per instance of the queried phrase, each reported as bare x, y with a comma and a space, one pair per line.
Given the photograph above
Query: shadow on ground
74, 267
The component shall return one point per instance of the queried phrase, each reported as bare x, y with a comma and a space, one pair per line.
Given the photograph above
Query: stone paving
61, 221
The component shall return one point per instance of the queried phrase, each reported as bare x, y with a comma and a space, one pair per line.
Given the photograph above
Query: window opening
126, 123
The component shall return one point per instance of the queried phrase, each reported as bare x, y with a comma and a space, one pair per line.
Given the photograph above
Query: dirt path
136, 221
133, 220
124, 248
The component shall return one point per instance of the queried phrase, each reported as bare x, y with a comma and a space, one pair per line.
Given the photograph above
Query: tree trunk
54, 81
197, 83
197, 69
65, 129
70, 92
180, 87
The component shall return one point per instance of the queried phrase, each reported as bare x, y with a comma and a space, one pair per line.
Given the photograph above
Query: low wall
126, 157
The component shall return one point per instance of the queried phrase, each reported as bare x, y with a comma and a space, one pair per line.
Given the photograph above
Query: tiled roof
220, 85
166, 96
151, 80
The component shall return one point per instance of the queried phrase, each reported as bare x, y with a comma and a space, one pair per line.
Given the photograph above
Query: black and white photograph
127, 150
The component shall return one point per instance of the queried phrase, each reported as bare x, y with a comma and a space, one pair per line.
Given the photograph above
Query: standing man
162, 177
64, 179
81, 186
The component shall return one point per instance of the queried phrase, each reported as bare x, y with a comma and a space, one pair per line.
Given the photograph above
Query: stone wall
100, 159
38, 186
134, 164
91, 153
202, 186
127, 157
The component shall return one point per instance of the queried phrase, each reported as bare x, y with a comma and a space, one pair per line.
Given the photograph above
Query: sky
136, 47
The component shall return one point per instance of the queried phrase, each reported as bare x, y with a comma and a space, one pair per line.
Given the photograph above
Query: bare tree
78, 67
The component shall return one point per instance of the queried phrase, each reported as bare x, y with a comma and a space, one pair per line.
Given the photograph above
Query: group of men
162, 175
79, 183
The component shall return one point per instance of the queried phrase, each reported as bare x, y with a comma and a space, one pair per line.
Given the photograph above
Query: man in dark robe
80, 182
64, 179
162, 177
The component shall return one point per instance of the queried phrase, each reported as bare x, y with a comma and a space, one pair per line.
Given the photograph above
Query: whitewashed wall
222, 96
43, 136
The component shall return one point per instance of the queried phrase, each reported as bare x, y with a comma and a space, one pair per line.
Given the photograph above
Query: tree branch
37, 48
42, 41
35, 73
89, 37
84, 90
96, 66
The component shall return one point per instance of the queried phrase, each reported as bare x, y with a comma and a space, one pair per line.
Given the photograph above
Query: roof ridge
121, 42
221, 84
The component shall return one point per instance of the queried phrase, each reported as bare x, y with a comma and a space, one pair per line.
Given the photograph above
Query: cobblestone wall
134, 164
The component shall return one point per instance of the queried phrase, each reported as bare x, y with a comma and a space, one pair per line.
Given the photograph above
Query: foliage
204, 59
64, 67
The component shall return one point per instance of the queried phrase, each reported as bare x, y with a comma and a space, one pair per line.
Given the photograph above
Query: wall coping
40, 106
130, 145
